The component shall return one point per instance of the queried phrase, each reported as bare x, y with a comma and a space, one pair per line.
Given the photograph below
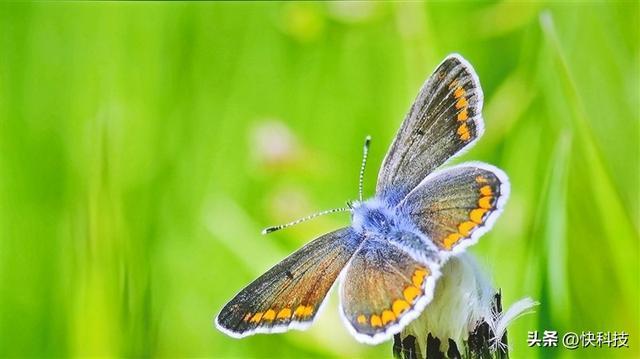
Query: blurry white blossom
273, 143
352, 11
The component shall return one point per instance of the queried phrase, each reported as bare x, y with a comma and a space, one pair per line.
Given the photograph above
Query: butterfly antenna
304, 219
367, 142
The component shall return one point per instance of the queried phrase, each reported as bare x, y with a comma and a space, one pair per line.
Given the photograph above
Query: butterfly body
375, 216
389, 258
377, 220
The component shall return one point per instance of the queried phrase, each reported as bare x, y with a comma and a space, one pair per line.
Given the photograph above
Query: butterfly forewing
383, 289
444, 119
453, 207
290, 294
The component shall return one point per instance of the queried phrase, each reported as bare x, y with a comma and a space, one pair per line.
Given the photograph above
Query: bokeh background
144, 146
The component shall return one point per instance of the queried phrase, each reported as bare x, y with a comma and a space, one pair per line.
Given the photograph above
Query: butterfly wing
455, 206
290, 294
444, 119
383, 289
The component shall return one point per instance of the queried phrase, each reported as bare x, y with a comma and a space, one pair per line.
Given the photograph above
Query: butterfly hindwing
455, 206
383, 289
444, 119
290, 294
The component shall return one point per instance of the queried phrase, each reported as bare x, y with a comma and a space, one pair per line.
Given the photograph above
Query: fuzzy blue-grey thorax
375, 216
376, 219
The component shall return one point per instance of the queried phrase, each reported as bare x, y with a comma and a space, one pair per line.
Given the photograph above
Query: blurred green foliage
144, 146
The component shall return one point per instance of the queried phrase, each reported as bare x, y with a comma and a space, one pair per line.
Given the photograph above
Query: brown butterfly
390, 256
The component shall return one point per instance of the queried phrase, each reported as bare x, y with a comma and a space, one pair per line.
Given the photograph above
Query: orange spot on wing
411, 293
418, 277
303, 311
269, 315
284, 314
299, 311
308, 311
387, 316
452, 239
247, 317
422, 271
453, 83
465, 228
376, 321
486, 190
477, 214
463, 115
459, 92
362, 319
462, 102
256, 317
485, 202
463, 132
481, 179
399, 306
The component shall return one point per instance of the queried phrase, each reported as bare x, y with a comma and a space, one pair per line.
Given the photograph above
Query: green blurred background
144, 146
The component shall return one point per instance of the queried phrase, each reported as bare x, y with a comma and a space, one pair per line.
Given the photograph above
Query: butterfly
389, 258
